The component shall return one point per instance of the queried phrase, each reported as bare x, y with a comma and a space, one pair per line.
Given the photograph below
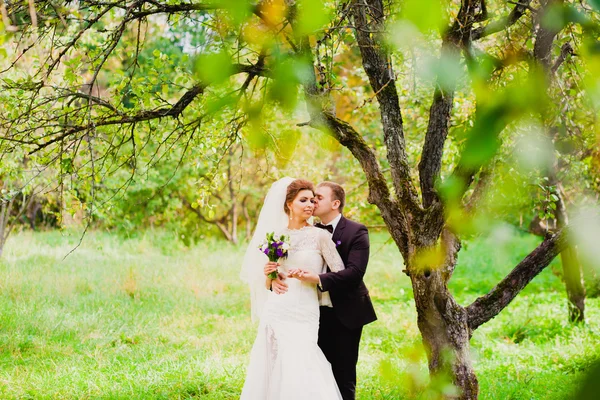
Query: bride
286, 363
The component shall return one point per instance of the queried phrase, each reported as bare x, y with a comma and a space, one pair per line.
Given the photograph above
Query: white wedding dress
286, 363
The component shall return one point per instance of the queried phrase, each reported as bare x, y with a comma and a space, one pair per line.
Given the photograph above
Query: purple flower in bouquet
275, 247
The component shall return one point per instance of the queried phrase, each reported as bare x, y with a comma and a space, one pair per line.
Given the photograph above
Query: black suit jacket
349, 295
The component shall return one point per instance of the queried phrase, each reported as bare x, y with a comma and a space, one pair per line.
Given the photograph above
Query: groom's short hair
337, 192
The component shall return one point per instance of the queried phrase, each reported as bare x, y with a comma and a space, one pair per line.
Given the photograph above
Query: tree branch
196, 210
565, 51
93, 99
544, 39
173, 111
487, 307
379, 193
437, 132
501, 24
451, 246
455, 39
485, 177
348, 137
119, 118
369, 17
491, 120
172, 9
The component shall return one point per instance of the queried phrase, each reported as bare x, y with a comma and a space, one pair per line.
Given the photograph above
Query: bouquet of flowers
275, 247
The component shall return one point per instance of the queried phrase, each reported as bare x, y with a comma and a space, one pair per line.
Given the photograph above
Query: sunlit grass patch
146, 317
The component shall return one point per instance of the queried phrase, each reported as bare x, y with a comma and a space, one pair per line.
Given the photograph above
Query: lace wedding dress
286, 363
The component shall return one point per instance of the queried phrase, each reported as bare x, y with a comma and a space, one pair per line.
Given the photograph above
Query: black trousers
340, 346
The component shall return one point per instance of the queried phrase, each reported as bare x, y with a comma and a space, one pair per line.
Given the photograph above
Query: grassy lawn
147, 317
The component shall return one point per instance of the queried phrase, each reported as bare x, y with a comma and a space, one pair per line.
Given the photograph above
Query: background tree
16, 198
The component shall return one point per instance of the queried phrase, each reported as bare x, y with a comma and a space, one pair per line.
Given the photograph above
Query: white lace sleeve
330, 254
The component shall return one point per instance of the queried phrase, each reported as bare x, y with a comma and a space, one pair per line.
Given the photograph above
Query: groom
340, 326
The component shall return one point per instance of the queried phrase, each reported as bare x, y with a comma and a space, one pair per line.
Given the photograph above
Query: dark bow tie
326, 227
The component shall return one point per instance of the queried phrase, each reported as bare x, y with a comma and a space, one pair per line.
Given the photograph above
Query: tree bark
445, 332
7, 224
456, 38
443, 323
369, 21
572, 269
247, 218
573, 275
223, 228
233, 199
4, 215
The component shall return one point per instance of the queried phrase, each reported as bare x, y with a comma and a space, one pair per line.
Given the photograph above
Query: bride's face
303, 205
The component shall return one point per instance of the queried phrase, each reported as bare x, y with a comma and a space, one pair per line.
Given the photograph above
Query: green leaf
426, 15
219, 103
284, 88
238, 10
483, 141
480, 68
213, 67
451, 188
3, 33
67, 165
445, 71
313, 15
559, 16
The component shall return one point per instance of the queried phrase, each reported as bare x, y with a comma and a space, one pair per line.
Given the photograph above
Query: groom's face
323, 200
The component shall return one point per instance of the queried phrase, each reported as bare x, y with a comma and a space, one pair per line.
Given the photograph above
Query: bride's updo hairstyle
293, 189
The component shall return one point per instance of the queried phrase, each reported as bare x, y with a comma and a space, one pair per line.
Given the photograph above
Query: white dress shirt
335, 222
324, 299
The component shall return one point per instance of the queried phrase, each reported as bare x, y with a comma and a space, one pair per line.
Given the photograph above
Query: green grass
147, 317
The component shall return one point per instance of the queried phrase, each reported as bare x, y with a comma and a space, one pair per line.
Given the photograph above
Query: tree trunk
444, 327
247, 218
7, 223
234, 223
3, 220
443, 323
572, 270
223, 228
573, 275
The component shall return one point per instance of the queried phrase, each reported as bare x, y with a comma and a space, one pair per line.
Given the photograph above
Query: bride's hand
270, 267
